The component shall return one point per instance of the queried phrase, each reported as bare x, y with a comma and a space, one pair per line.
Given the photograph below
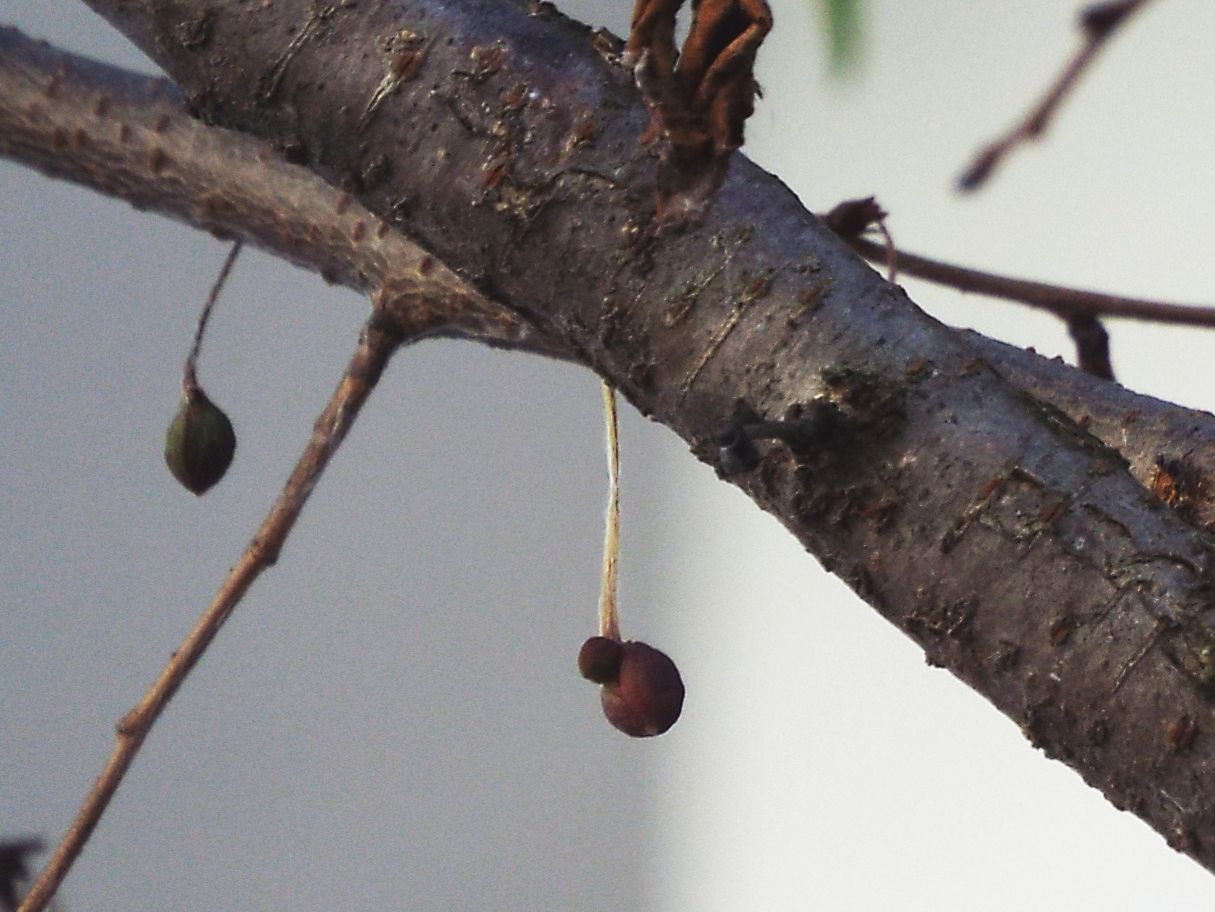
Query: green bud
200, 442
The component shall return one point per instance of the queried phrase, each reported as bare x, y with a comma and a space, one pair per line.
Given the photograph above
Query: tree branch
287, 210
128, 136
1061, 301
1099, 21
1095, 634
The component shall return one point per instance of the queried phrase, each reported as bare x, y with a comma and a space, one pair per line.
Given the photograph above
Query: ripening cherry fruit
599, 659
199, 443
642, 691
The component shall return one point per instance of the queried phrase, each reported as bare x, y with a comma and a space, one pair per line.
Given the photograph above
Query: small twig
379, 339
609, 620
892, 252
189, 381
1092, 345
1098, 22
853, 217
14, 868
1061, 301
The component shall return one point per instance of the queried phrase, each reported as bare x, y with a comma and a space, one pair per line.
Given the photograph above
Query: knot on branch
856, 411
822, 423
852, 218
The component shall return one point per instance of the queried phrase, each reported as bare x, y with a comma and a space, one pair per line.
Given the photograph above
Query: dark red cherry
599, 659
646, 697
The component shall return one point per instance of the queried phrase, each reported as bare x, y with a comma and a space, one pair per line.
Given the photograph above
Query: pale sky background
392, 719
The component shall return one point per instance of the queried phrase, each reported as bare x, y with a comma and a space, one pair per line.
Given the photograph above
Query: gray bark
1015, 545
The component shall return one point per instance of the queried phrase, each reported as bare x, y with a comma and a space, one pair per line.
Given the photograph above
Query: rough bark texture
1016, 547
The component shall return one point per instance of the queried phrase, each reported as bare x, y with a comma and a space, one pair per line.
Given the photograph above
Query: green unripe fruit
200, 442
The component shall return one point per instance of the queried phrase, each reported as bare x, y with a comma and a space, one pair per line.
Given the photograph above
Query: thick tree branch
1095, 634
287, 210
1145, 431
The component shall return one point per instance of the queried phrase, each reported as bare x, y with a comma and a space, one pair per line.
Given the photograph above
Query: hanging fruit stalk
642, 691
609, 620
200, 442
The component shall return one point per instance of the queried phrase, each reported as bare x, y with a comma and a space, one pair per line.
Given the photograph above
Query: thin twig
379, 339
851, 218
609, 620
14, 868
892, 252
189, 382
1099, 22
1061, 301
1092, 345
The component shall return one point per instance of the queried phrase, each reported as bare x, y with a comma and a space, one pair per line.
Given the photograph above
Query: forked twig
380, 337
1099, 22
1062, 301
1079, 309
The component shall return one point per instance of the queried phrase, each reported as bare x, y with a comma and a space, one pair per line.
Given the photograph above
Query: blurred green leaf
842, 22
